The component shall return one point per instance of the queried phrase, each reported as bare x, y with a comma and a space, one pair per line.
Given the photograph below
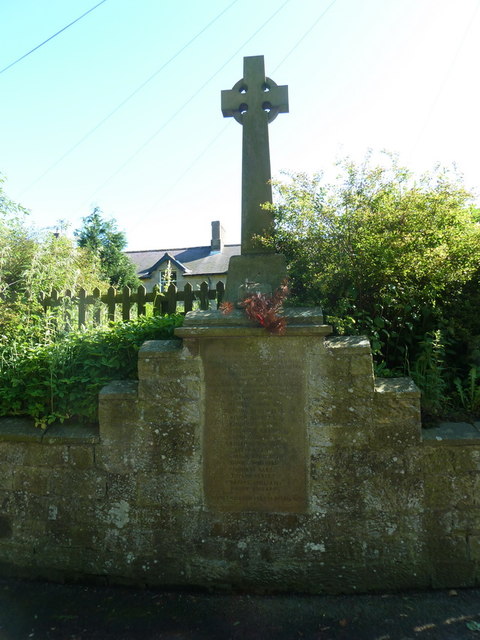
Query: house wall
386, 508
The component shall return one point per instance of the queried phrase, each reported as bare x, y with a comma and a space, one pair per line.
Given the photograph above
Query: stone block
6, 476
121, 487
399, 576
362, 365
451, 433
5, 527
23, 505
170, 389
341, 346
177, 411
397, 411
465, 521
71, 433
165, 359
159, 349
269, 270
120, 428
473, 542
81, 485
16, 559
170, 489
456, 491
453, 573
31, 480
337, 435
61, 508
41, 455
172, 446
19, 429
29, 531
13, 453
72, 535
81, 457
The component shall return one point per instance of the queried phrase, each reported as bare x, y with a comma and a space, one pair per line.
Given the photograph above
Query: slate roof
193, 261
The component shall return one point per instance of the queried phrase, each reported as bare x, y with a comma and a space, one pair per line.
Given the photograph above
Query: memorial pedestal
255, 450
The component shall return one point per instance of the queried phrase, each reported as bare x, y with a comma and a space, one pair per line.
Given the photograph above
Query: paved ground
45, 611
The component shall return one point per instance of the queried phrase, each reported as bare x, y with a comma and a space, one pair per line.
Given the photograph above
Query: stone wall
386, 508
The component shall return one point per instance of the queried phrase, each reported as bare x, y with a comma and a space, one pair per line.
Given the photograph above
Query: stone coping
448, 433
121, 389
250, 332
396, 385
22, 429
293, 315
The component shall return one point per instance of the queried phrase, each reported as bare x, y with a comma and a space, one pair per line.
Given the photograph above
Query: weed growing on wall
60, 376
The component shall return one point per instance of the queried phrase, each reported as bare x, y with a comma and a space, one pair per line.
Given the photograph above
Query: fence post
204, 303
67, 306
220, 293
188, 297
82, 294
141, 296
110, 300
162, 302
126, 303
97, 309
171, 298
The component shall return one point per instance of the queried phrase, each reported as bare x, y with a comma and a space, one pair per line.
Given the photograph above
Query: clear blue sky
400, 75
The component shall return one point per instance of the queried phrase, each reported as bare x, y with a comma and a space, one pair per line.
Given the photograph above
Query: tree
387, 254
102, 238
32, 262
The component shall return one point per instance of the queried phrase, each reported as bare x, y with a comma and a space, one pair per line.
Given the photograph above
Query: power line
128, 98
300, 40
189, 167
445, 78
221, 132
187, 102
50, 38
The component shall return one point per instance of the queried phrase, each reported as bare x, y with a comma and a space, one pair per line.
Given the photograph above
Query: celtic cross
254, 101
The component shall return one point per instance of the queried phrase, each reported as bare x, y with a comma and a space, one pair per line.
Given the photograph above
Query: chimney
218, 233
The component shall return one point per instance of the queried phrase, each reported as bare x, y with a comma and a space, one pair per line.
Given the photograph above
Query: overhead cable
9, 66
222, 131
188, 101
129, 97
188, 168
300, 40
446, 76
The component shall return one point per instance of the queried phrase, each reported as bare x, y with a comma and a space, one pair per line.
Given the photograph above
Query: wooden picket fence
83, 309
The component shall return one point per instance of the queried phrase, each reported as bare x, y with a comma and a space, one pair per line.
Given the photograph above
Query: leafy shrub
469, 391
391, 256
58, 378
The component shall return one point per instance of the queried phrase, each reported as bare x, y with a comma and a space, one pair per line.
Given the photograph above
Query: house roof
193, 261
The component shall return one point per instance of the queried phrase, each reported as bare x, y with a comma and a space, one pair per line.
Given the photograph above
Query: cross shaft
254, 101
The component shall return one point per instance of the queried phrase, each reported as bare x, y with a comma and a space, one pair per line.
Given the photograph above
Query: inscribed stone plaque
255, 435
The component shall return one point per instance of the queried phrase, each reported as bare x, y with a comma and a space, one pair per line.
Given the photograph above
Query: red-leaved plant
264, 309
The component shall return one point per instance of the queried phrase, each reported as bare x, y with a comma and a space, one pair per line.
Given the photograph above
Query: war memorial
246, 460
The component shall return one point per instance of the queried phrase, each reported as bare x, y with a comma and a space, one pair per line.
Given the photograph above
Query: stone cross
254, 101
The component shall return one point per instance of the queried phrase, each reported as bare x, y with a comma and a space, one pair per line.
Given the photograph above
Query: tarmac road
46, 611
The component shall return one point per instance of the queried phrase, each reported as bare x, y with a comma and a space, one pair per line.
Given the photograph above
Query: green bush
394, 257
59, 376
